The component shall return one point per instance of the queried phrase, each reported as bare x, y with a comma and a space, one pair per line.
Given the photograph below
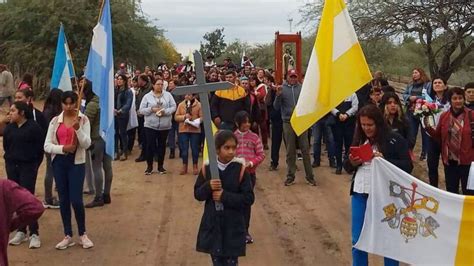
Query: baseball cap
292, 72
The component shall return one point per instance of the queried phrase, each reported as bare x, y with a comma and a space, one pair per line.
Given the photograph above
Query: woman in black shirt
23, 145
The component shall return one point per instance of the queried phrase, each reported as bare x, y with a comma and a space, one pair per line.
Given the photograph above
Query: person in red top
15, 200
454, 134
249, 147
260, 91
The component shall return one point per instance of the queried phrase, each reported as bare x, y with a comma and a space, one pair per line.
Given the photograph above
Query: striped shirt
250, 148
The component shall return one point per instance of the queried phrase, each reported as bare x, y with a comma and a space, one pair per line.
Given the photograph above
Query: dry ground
153, 220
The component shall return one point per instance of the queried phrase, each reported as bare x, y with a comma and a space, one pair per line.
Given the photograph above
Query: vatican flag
413, 222
336, 69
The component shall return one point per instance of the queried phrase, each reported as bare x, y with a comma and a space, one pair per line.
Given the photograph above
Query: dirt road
153, 220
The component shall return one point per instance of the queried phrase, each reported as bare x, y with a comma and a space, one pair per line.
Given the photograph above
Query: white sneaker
19, 238
65, 243
85, 242
35, 241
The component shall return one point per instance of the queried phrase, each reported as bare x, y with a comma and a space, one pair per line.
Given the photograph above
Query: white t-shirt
363, 176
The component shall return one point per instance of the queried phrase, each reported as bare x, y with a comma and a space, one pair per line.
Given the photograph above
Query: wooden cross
202, 89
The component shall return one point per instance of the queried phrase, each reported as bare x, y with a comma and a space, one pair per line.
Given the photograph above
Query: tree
235, 51
443, 28
29, 31
214, 43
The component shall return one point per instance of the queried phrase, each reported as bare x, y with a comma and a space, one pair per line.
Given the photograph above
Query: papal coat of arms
409, 219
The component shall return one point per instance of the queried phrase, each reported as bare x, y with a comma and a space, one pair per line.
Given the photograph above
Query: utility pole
291, 23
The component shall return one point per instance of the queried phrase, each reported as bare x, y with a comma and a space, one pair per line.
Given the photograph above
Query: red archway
280, 39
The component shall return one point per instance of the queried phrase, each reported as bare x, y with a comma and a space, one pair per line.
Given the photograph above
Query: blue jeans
359, 257
172, 135
414, 125
69, 178
189, 139
121, 135
343, 134
320, 129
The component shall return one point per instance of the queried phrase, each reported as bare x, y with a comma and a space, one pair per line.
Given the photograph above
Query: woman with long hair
439, 94
392, 109
52, 107
419, 88
157, 107
123, 103
372, 129
23, 145
67, 140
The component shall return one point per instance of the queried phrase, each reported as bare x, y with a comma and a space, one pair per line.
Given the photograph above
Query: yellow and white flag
336, 69
413, 222
205, 154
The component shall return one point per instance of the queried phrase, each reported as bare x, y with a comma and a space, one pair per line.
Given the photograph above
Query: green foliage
235, 51
214, 43
29, 31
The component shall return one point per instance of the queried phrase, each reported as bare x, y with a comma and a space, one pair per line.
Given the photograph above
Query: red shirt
441, 134
65, 134
15, 199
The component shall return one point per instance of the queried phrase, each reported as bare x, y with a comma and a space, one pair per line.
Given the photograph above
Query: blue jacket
123, 101
407, 93
286, 101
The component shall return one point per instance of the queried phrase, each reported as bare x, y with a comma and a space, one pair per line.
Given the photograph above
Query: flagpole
101, 10
76, 82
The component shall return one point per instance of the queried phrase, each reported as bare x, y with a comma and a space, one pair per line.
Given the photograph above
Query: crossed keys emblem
409, 219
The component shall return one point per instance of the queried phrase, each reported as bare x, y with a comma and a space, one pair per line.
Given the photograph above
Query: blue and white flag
100, 71
63, 69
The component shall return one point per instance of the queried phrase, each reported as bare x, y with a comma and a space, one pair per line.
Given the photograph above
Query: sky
251, 21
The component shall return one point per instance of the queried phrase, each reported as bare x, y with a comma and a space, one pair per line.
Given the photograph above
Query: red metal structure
280, 40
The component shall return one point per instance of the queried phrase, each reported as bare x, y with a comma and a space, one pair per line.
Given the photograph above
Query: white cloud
253, 21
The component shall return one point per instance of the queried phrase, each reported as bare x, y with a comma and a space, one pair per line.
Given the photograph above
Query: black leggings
248, 209
24, 174
155, 144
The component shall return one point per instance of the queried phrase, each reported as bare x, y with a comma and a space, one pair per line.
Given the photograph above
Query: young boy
249, 148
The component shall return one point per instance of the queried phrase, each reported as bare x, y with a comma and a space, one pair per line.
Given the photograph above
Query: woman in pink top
67, 140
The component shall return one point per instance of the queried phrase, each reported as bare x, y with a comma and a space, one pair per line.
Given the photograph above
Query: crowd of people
247, 116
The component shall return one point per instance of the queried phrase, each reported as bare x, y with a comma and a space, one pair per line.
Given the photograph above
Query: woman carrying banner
372, 129
454, 134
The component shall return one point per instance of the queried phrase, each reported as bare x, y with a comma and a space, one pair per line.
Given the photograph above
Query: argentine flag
100, 72
63, 69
